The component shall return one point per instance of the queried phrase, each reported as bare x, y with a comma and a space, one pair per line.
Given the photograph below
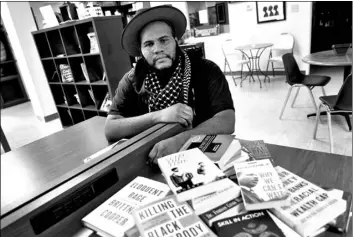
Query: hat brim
129, 38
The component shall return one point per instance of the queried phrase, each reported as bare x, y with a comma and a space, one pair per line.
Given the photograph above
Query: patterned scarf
179, 83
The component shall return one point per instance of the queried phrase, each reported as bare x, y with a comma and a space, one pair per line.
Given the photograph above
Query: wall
19, 24
244, 28
182, 6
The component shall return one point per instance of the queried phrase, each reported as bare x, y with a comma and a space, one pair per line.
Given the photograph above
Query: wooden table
254, 54
40, 161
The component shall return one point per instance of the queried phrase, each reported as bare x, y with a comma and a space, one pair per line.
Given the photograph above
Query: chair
228, 53
340, 104
284, 44
296, 79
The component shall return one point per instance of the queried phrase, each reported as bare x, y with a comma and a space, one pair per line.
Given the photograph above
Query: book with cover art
231, 208
261, 187
168, 217
107, 102
257, 149
114, 217
311, 207
209, 201
254, 223
221, 148
191, 174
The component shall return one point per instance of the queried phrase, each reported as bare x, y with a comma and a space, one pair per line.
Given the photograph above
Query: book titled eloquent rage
114, 217
191, 174
168, 217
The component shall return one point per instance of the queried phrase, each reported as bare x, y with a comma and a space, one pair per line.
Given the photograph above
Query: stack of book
264, 199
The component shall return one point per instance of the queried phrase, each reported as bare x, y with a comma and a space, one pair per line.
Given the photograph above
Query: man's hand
178, 113
163, 148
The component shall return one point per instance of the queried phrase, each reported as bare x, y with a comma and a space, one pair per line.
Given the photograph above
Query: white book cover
209, 201
191, 174
114, 216
311, 207
260, 185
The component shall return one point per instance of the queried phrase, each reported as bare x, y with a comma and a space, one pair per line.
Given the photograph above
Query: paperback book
311, 207
168, 217
107, 102
222, 149
231, 208
254, 223
209, 201
261, 187
257, 149
191, 174
341, 223
114, 217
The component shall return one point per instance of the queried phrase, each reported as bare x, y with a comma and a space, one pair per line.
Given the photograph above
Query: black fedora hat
130, 35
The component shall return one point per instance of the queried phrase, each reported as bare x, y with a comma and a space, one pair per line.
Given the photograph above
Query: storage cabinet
81, 71
12, 89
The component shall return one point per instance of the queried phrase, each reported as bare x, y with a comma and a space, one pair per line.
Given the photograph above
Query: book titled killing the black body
254, 223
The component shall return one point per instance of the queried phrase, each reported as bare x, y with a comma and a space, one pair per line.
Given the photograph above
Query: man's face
158, 45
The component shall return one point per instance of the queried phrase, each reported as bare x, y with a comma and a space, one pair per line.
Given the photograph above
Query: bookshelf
68, 44
12, 89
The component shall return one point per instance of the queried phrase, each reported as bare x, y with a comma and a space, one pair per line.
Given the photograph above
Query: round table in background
330, 59
254, 54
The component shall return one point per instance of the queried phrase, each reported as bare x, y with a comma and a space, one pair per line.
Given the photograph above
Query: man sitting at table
167, 85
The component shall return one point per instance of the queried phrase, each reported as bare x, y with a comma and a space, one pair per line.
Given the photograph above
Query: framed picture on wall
270, 11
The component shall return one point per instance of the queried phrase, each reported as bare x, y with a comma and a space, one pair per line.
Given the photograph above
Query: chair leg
295, 97
330, 130
317, 121
348, 121
285, 102
225, 65
231, 73
273, 70
323, 91
312, 97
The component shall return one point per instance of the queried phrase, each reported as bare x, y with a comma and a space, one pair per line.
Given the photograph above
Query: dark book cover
341, 223
254, 223
256, 149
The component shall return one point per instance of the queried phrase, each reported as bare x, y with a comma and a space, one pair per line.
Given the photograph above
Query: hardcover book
209, 201
231, 208
257, 149
221, 148
114, 217
261, 187
254, 223
311, 207
191, 174
168, 217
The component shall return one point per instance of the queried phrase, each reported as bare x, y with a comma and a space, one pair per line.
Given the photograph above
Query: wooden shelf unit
12, 90
69, 44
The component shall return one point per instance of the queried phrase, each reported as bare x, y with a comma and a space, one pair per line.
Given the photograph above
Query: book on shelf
107, 102
260, 185
191, 174
231, 208
66, 73
90, 92
114, 216
311, 207
222, 149
169, 217
253, 223
341, 223
84, 71
209, 201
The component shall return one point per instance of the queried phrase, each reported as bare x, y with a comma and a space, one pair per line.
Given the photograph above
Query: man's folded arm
117, 126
